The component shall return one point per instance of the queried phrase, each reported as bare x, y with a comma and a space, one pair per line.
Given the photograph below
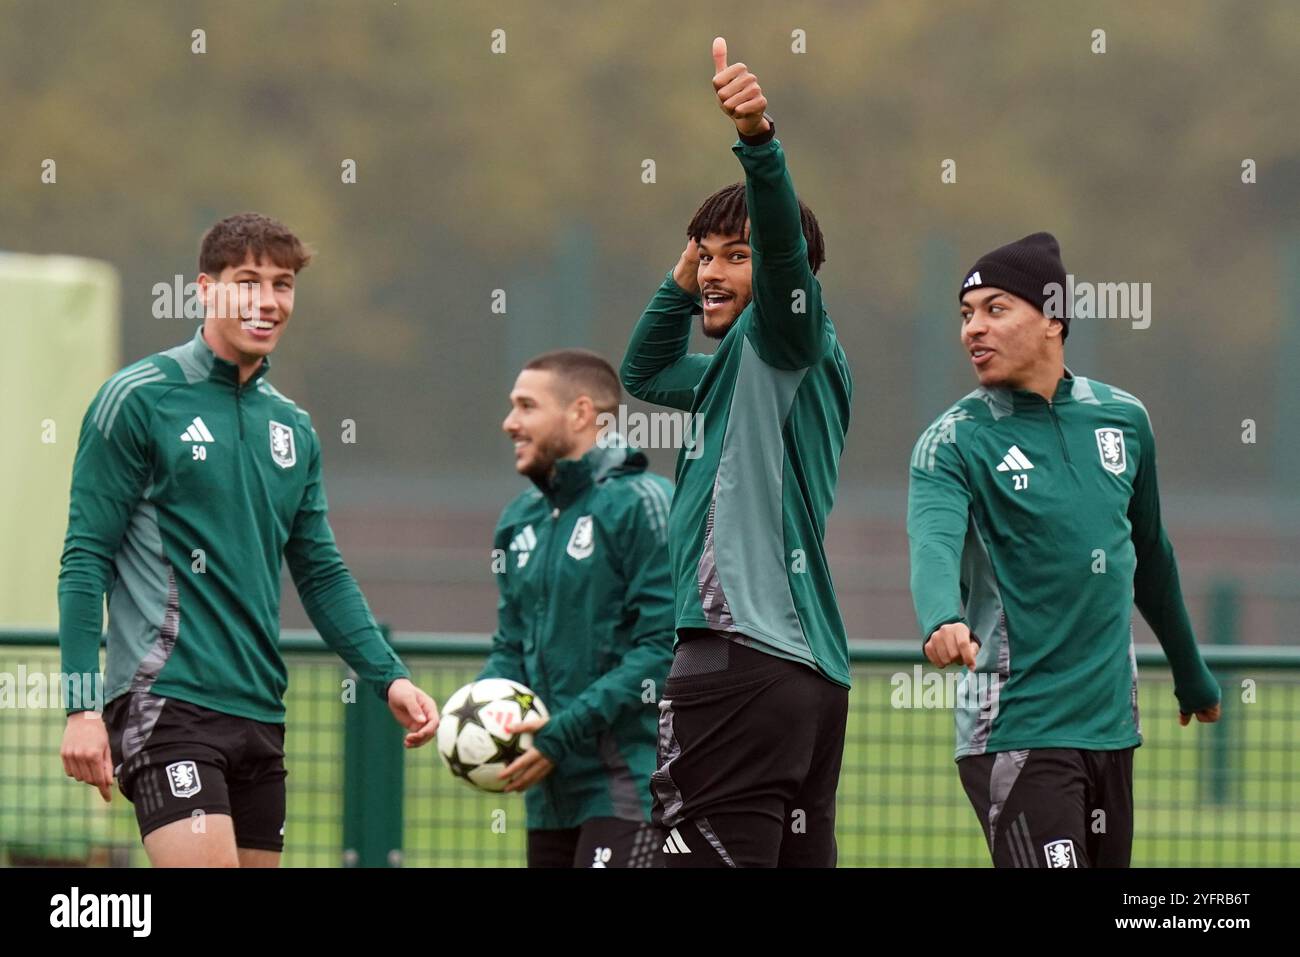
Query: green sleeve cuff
741, 148
1204, 692
382, 687
551, 740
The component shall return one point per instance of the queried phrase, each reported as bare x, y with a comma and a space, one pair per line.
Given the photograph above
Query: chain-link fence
1205, 795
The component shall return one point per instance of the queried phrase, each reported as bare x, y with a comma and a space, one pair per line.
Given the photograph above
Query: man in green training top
1034, 520
193, 479
585, 616
752, 721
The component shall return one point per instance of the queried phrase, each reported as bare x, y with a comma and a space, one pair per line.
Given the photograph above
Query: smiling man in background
585, 616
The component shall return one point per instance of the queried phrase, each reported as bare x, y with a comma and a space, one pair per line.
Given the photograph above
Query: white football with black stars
472, 736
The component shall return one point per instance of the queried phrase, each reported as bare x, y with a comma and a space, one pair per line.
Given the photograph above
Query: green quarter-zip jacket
772, 407
585, 619
188, 491
1037, 523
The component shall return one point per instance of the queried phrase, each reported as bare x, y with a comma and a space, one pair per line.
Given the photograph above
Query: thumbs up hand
738, 91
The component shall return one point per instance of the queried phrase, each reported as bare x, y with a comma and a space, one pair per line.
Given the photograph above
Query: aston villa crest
282, 449
1060, 854
582, 541
1110, 443
183, 777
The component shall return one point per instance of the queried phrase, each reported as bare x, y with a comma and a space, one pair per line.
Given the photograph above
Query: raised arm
788, 325
657, 367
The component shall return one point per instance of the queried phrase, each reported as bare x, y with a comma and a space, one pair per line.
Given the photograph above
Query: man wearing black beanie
1034, 523
1028, 268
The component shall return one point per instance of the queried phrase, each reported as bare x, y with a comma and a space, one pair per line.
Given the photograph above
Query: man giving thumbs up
751, 727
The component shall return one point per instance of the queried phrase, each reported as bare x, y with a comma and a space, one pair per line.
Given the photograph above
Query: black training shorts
598, 842
1053, 807
750, 747
175, 760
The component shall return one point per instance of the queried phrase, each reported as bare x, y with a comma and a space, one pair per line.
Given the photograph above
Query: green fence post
1225, 624
373, 769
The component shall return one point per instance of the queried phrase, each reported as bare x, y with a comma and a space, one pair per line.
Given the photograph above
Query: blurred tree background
522, 171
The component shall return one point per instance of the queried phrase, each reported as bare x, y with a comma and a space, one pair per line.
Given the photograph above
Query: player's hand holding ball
486, 738
739, 94
531, 766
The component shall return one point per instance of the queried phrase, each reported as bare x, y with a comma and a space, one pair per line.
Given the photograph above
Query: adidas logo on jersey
197, 432
675, 844
1015, 461
523, 545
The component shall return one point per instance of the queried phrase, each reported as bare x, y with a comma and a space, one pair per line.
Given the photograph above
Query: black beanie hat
1023, 268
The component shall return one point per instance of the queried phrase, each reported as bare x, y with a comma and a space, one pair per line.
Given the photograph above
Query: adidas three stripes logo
675, 844
1015, 461
197, 432
523, 545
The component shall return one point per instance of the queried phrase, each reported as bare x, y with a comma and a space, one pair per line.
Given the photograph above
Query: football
472, 736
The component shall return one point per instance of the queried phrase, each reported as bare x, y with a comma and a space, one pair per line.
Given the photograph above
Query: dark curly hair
725, 212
